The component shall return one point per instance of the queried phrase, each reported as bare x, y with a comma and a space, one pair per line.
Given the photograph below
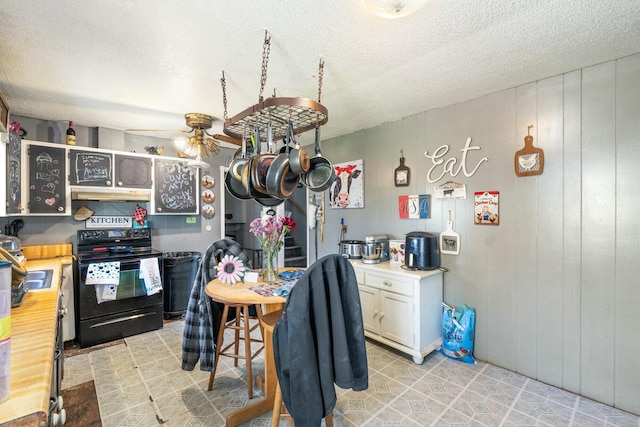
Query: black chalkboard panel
47, 179
133, 171
14, 178
90, 168
176, 187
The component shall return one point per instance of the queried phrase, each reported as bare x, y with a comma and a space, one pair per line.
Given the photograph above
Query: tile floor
140, 383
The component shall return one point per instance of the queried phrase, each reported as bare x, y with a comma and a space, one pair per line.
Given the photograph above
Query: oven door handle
128, 264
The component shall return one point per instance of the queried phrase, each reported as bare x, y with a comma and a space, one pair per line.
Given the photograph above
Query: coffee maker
421, 251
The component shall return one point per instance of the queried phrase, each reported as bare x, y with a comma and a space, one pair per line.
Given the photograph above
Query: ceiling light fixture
393, 8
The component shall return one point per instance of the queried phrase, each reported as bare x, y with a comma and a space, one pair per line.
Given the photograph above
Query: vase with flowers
270, 233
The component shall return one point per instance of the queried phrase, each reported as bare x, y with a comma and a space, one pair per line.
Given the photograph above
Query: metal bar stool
241, 323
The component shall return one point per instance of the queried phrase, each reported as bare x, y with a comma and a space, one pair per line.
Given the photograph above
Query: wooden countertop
33, 334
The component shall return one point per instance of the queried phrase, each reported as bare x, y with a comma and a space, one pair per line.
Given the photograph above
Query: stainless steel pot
10, 244
351, 249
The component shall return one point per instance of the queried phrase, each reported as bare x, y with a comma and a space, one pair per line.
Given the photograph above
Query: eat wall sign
440, 167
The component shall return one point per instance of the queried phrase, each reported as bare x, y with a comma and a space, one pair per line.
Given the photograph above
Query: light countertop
33, 335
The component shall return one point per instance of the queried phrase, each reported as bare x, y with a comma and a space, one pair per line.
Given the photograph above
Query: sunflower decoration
230, 269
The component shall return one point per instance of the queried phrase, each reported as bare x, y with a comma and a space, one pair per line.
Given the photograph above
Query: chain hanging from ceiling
304, 114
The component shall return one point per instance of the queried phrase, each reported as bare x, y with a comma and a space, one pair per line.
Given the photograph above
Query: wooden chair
242, 331
240, 323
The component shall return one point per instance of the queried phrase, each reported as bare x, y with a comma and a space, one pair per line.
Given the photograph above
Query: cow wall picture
347, 191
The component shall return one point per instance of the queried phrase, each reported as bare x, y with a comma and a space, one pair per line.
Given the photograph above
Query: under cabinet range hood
111, 194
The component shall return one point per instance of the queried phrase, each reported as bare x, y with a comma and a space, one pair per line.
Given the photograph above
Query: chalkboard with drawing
176, 187
90, 168
14, 179
47, 179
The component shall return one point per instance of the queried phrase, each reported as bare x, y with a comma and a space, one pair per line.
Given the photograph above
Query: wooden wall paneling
526, 239
472, 119
598, 230
549, 253
571, 211
627, 269
502, 142
448, 132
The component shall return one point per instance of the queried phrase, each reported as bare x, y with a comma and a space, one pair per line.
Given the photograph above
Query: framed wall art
347, 191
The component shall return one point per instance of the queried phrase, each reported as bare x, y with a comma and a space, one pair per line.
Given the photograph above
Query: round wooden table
239, 293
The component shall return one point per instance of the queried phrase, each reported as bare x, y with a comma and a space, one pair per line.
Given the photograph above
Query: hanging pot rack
304, 114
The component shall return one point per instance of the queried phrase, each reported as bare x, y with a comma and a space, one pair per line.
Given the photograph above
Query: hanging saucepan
233, 178
246, 170
298, 157
281, 180
321, 174
261, 162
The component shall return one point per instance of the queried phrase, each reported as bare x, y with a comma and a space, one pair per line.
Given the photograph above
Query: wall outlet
344, 229
191, 220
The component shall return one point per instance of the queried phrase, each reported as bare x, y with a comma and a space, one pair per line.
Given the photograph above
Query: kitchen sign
448, 166
109, 222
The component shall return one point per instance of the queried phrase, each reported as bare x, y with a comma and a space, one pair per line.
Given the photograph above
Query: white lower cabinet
401, 308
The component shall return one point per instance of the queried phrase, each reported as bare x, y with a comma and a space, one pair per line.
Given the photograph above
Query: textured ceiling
145, 63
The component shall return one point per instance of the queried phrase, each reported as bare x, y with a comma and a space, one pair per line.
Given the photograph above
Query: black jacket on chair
319, 341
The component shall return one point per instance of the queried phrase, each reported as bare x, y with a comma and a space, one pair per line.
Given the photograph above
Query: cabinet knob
120, 184
108, 182
387, 283
375, 313
381, 315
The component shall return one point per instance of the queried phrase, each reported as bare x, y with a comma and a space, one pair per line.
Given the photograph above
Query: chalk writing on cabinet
90, 168
14, 159
46, 179
175, 187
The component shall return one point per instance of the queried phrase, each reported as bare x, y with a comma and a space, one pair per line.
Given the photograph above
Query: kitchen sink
38, 279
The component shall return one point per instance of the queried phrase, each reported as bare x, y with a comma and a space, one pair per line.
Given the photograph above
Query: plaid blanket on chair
203, 316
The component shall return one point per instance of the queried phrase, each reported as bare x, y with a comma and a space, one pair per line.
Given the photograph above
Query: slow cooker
351, 248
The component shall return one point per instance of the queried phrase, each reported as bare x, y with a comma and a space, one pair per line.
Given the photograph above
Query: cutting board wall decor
529, 160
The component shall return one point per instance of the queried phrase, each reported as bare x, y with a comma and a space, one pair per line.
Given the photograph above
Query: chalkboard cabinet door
90, 168
133, 171
14, 175
47, 176
176, 188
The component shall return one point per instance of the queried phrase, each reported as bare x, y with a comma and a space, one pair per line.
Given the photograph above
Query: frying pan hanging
260, 164
281, 180
298, 157
233, 178
321, 174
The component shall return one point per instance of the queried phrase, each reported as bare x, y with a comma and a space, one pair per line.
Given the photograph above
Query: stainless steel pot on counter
351, 249
10, 244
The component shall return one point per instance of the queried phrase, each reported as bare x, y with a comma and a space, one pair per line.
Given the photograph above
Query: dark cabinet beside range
47, 179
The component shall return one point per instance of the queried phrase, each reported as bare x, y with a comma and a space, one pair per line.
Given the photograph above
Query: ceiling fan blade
228, 139
157, 130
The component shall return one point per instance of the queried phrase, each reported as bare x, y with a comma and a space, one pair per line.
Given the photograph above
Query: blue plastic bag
458, 326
